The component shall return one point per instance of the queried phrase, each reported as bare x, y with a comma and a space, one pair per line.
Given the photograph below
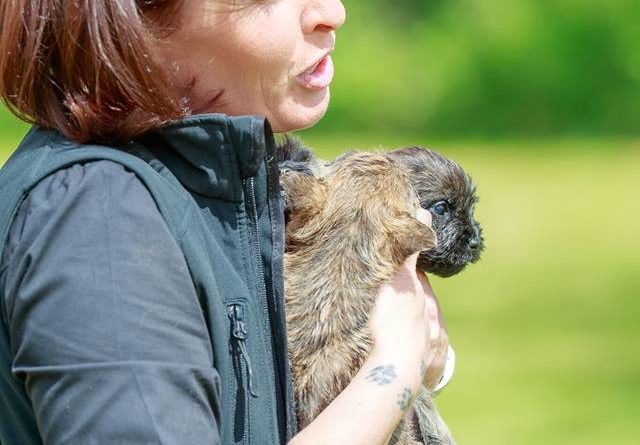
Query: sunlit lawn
547, 326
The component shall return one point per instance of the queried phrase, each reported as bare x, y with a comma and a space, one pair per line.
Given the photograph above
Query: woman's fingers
436, 357
436, 363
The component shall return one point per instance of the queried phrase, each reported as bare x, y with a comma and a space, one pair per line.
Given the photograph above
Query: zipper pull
239, 332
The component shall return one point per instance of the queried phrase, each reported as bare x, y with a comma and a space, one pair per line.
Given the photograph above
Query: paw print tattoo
382, 375
404, 399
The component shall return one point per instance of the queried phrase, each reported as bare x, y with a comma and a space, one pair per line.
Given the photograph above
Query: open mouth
319, 76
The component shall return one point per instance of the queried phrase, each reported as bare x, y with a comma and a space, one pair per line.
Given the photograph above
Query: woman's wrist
403, 366
378, 396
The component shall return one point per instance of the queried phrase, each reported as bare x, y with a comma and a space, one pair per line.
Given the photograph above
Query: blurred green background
540, 101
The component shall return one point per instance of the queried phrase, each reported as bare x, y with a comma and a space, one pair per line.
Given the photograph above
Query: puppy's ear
411, 235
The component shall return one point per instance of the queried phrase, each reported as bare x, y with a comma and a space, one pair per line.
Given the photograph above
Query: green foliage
488, 67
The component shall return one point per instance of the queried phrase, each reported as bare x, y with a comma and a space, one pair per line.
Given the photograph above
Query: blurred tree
406, 10
489, 67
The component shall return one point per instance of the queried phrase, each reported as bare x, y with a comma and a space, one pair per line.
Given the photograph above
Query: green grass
546, 326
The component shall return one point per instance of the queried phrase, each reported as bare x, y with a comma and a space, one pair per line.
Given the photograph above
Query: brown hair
85, 67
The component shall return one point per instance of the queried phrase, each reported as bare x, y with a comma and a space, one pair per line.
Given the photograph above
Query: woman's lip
319, 76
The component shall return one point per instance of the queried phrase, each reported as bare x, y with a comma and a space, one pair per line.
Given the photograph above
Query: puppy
443, 188
350, 225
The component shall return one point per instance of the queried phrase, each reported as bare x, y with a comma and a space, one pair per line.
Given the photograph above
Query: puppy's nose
474, 239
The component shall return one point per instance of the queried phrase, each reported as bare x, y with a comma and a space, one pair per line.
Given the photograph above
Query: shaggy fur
436, 179
350, 225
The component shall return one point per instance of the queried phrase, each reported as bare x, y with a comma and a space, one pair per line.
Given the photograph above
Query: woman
141, 273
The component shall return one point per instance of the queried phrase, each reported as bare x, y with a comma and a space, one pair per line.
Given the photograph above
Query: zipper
239, 333
243, 368
252, 210
284, 389
262, 287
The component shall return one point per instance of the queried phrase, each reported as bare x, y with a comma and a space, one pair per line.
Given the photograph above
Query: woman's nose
324, 15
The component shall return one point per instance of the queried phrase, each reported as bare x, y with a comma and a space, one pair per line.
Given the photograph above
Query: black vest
215, 180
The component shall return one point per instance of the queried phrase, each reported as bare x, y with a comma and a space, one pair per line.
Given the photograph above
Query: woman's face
268, 57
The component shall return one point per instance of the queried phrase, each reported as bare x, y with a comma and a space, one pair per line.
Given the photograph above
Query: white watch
449, 368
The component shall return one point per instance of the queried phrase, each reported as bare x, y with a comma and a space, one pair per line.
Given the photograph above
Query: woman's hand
434, 364
410, 347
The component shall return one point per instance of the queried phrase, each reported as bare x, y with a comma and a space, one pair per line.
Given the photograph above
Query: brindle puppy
443, 188
350, 225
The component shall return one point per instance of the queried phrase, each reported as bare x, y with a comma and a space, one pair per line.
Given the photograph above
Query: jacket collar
211, 154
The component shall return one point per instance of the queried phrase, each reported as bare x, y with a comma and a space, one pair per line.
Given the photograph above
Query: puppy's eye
440, 208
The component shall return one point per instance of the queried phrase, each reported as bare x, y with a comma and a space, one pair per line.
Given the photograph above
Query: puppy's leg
433, 430
407, 432
422, 425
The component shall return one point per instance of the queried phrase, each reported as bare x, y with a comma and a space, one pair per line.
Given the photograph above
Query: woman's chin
301, 114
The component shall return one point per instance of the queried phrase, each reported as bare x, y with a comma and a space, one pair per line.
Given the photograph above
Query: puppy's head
448, 193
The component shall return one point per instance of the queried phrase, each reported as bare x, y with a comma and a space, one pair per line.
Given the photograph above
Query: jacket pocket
243, 370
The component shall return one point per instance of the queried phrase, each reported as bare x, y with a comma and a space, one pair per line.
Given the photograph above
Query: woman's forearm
370, 407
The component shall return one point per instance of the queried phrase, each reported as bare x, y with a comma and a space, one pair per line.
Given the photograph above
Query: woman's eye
439, 208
